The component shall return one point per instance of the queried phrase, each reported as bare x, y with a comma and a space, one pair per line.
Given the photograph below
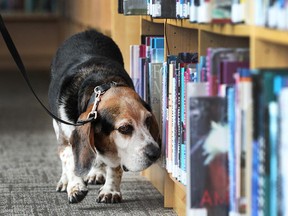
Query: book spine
164, 110
273, 133
231, 153
182, 126
175, 125
247, 133
283, 145
170, 118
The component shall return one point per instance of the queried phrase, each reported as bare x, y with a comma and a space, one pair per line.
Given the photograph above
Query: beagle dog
88, 79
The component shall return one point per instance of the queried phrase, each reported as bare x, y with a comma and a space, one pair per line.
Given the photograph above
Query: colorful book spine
233, 207
164, 107
273, 134
175, 129
170, 135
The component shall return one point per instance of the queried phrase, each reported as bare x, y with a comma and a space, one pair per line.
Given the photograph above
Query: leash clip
93, 113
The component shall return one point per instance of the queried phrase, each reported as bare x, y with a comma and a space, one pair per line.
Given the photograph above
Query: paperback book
207, 153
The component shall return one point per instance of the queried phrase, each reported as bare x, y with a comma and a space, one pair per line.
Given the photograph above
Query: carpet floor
30, 167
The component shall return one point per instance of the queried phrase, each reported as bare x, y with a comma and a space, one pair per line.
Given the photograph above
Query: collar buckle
98, 91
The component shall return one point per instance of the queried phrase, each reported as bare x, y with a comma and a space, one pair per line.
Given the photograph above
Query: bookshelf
268, 49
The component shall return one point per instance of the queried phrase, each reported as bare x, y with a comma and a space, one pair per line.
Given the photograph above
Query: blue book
273, 134
182, 126
255, 177
157, 49
231, 152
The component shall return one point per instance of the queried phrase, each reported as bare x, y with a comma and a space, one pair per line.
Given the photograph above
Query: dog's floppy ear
82, 141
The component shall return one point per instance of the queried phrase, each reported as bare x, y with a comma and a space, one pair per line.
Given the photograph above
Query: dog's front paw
96, 175
108, 195
76, 191
95, 179
62, 184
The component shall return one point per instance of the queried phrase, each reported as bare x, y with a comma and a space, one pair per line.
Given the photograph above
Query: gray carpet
30, 168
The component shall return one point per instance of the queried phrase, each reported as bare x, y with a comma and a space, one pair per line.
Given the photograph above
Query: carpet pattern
30, 168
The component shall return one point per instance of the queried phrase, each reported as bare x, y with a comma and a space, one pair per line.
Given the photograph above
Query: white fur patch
74, 183
66, 129
56, 129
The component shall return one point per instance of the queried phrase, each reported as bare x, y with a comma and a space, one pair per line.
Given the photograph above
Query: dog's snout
152, 152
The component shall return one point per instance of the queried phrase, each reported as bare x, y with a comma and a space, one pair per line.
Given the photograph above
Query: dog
88, 79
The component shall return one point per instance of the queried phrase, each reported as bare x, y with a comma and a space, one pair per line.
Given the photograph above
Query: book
233, 206
143, 72
120, 7
156, 49
272, 12
134, 7
204, 11
163, 9
243, 138
171, 65
134, 66
207, 152
226, 74
282, 15
182, 9
221, 11
194, 4
260, 14
185, 72
155, 89
283, 149
273, 166
164, 111
238, 11
213, 61
265, 94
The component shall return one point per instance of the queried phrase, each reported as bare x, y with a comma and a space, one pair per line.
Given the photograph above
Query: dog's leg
76, 188
74, 185
62, 184
97, 174
110, 191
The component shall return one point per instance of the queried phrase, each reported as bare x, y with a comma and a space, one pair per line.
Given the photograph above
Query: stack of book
272, 13
223, 128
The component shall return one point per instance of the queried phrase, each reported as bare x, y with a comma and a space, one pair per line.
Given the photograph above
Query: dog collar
96, 98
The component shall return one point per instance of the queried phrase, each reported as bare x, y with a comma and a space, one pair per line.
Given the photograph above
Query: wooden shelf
154, 20
271, 35
173, 191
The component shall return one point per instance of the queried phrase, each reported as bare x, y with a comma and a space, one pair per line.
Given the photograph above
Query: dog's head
124, 133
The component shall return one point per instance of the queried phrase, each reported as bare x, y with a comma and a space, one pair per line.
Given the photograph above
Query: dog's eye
126, 129
148, 121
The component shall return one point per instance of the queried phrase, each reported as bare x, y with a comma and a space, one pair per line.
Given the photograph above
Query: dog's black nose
152, 152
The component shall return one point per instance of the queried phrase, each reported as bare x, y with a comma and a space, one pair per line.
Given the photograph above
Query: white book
204, 12
193, 12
